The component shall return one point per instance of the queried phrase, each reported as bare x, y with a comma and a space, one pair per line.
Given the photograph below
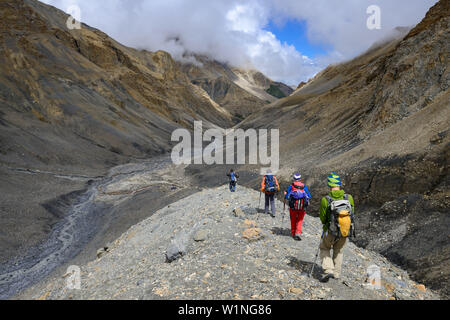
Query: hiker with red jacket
298, 196
269, 186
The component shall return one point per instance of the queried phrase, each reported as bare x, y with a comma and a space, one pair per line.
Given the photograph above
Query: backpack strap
346, 198
328, 211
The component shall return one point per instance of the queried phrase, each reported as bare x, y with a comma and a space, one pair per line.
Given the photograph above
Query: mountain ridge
240, 91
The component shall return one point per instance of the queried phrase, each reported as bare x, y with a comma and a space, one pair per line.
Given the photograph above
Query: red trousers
297, 217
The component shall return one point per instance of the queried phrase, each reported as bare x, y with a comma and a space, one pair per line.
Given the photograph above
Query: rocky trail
220, 247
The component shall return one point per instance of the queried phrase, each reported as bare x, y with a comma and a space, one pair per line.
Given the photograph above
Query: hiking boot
273, 215
297, 237
326, 277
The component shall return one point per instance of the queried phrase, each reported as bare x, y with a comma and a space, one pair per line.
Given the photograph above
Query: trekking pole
284, 212
317, 253
259, 204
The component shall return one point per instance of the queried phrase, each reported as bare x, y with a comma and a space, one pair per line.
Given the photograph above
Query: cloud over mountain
234, 31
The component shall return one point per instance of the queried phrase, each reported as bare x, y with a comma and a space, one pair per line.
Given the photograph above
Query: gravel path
221, 248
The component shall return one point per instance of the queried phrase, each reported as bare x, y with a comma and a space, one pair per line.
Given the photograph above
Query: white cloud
343, 24
233, 31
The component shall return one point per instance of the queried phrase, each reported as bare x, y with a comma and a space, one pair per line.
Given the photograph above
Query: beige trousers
332, 264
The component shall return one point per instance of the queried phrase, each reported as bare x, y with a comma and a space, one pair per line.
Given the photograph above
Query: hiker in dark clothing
233, 179
269, 186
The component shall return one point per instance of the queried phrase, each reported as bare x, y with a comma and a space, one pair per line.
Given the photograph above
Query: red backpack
298, 199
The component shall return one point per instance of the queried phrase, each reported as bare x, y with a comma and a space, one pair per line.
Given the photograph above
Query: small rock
345, 283
102, 251
161, 291
238, 212
201, 235
295, 290
420, 287
251, 233
436, 139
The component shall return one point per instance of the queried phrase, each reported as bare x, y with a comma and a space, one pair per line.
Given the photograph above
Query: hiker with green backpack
269, 185
337, 211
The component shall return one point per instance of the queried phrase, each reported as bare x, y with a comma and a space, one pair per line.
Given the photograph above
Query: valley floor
84, 220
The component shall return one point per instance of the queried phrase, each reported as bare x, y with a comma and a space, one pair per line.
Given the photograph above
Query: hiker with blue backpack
233, 179
298, 196
269, 186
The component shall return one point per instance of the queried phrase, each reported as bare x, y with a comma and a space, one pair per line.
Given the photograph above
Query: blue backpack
233, 177
270, 184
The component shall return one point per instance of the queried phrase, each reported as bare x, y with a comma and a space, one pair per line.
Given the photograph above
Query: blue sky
294, 32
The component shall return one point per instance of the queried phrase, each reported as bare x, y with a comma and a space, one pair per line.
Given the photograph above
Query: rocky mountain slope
74, 103
94, 90
382, 122
239, 91
220, 247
